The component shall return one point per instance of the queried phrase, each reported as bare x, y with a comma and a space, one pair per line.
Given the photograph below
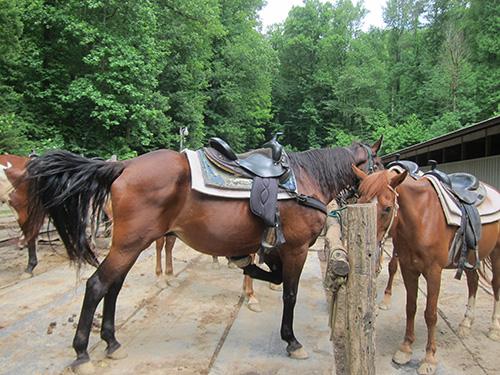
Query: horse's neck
414, 200
336, 175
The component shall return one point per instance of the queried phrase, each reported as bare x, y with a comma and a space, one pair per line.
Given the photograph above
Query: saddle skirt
209, 179
489, 208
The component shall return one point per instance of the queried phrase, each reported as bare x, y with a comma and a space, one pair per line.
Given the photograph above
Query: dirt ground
41, 313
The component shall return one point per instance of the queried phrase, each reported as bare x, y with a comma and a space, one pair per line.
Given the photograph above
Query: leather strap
313, 202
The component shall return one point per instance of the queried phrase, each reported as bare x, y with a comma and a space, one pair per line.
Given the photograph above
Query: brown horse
152, 196
410, 211
13, 192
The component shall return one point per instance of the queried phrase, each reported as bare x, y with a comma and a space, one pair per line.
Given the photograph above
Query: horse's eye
387, 210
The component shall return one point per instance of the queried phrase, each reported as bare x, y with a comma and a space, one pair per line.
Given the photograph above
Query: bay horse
13, 192
152, 196
410, 212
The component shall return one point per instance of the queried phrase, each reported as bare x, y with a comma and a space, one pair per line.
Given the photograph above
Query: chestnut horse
13, 192
152, 196
410, 211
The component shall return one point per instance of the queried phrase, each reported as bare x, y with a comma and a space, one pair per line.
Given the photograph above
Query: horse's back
15, 161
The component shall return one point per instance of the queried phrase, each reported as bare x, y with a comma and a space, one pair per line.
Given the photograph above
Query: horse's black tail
65, 186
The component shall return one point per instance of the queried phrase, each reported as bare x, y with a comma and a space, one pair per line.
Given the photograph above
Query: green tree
239, 90
12, 124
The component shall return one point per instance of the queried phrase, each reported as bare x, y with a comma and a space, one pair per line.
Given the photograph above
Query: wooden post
361, 290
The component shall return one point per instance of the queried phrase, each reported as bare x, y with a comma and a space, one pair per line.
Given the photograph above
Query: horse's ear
377, 145
398, 179
361, 175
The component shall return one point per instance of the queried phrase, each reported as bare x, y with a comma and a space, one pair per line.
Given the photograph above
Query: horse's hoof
119, 353
173, 282
463, 330
273, 286
85, 368
385, 305
402, 358
299, 353
231, 265
426, 368
494, 334
215, 266
25, 276
254, 306
161, 283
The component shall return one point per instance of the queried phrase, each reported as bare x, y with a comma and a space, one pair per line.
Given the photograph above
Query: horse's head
380, 188
366, 157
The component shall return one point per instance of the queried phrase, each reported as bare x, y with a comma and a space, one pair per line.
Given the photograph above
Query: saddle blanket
209, 179
489, 209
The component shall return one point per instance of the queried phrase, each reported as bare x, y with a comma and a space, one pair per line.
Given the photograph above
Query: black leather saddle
270, 161
468, 193
465, 186
412, 167
268, 167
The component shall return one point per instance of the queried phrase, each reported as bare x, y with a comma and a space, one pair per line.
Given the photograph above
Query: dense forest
102, 77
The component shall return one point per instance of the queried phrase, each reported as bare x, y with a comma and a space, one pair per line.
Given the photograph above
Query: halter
393, 216
369, 167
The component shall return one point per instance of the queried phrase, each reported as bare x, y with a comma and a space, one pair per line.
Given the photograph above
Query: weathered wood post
361, 290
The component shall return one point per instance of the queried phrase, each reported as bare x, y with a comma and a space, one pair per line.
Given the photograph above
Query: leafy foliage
125, 77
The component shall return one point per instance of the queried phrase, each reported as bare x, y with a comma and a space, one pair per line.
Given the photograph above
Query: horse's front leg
405, 351
429, 362
465, 326
253, 303
385, 304
292, 269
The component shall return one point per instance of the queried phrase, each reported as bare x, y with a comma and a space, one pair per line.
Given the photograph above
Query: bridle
393, 216
370, 167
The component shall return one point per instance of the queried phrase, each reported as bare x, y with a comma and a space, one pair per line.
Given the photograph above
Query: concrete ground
201, 327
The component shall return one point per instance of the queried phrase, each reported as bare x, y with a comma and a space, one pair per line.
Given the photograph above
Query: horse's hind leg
494, 332
108, 278
169, 267
169, 279
385, 304
32, 259
113, 350
215, 262
160, 280
465, 326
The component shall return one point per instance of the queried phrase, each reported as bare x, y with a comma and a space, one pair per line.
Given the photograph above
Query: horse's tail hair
66, 186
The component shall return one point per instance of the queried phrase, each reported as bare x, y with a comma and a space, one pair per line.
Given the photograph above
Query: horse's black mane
330, 168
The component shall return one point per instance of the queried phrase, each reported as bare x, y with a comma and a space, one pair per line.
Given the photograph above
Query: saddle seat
468, 187
401, 165
270, 161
